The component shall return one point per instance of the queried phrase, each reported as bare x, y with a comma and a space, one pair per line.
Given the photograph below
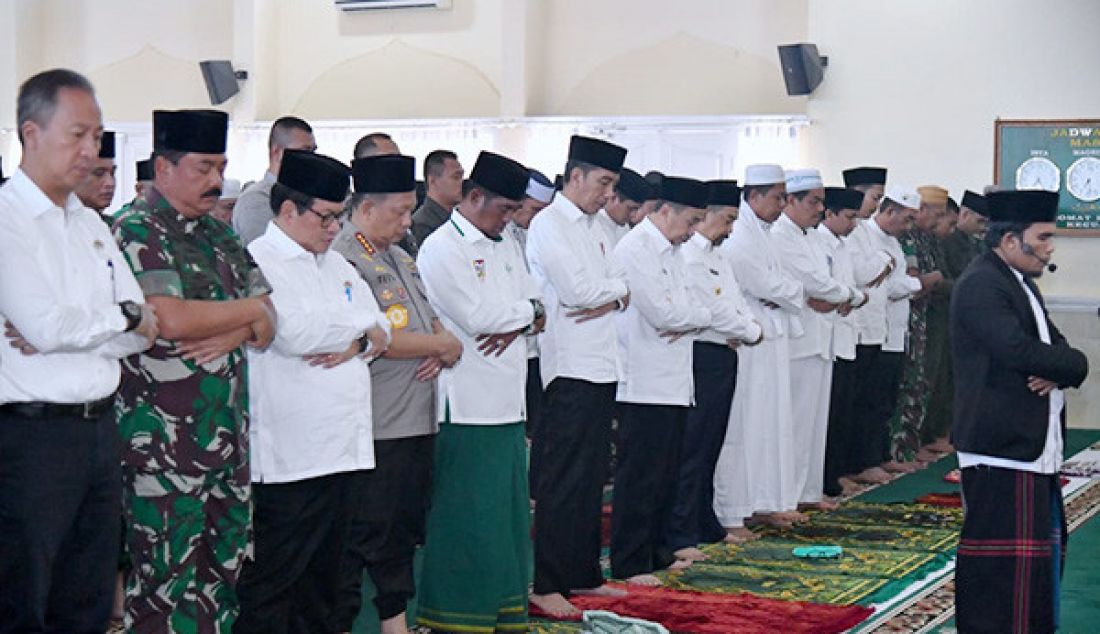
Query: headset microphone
1028, 250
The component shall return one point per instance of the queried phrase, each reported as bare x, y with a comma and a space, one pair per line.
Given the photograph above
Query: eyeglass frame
327, 219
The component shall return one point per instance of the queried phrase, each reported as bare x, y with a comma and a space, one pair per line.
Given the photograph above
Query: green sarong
477, 548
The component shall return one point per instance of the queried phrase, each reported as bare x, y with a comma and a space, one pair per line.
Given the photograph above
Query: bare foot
824, 504
849, 487
602, 591
555, 605
690, 554
873, 475
739, 535
942, 445
680, 564
793, 517
766, 519
927, 455
893, 466
644, 580
395, 625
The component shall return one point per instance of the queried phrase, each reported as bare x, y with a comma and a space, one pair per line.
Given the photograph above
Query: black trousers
534, 398
692, 520
842, 443
290, 585
645, 481
389, 508
877, 376
573, 445
60, 500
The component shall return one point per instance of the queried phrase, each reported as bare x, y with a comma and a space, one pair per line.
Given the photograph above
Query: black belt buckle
90, 410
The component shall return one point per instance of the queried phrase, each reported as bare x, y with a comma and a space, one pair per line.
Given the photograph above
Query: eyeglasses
327, 219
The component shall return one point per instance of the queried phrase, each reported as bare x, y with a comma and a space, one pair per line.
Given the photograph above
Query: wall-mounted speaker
803, 67
222, 82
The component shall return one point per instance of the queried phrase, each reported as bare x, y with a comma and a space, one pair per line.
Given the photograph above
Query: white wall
917, 85
912, 84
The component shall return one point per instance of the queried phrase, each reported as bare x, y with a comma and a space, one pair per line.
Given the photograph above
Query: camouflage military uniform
183, 426
913, 393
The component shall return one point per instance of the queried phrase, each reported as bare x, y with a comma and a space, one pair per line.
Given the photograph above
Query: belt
91, 410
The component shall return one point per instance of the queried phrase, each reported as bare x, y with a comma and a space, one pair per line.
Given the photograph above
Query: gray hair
37, 99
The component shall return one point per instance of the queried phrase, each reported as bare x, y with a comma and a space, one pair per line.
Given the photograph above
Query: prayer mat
903, 515
951, 500
785, 585
848, 535
855, 561
1082, 468
702, 613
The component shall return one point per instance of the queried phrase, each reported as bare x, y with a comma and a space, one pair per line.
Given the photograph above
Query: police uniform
390, 502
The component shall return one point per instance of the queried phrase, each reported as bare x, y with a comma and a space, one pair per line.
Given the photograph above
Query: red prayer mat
941, 499
705, 613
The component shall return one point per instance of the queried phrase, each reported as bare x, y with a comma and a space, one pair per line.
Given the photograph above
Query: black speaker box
220, 78
803, 67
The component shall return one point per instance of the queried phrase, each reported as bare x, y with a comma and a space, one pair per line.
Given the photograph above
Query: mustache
213, 191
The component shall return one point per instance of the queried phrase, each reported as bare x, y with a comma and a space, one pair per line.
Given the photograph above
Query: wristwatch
132, 312
364, 342
540, 312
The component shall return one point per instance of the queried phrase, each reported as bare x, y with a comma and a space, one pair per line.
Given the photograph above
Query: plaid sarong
1011, 551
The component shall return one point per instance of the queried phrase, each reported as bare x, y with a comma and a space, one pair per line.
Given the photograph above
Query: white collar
35, 202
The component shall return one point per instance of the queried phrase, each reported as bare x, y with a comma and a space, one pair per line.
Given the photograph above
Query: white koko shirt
571, 261
839, 257
309, 421
884, 320
753, 260
802, 257
655, 370
61, 279
479, 286
714, 286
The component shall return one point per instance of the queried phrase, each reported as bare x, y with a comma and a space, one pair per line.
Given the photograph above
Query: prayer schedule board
1061, 156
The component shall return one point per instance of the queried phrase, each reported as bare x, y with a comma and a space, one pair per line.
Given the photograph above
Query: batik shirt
178, 415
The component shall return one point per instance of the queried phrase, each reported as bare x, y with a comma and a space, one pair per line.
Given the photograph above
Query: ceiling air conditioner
366, 5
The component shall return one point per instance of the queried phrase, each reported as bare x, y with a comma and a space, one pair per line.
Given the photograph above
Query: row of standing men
224, 518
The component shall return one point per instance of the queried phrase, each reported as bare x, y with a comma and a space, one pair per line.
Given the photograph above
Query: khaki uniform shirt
403, 406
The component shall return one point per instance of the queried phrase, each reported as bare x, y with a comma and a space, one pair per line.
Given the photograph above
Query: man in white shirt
712, 285
755, 471
71, 310
253, 209
1011, 367
631, 192
571, 260
811, 352
869, 181
841, 214
655, 340
477, 547
98, 190
310, 402
882, 325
